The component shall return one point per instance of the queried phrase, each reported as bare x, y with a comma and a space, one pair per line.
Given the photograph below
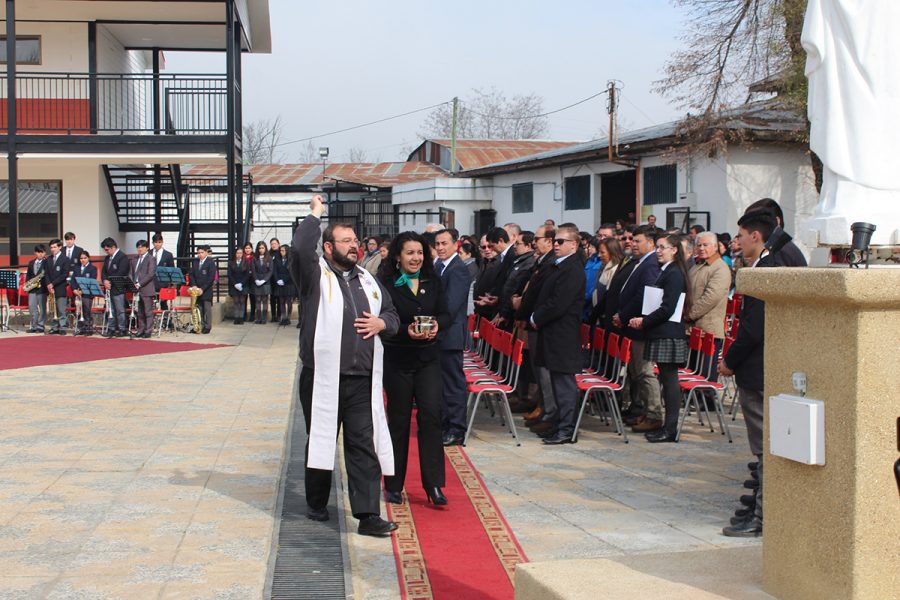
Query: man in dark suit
745, 361
71, 250
498, 239
456, 280
57, 274
163, 258
37, 298
143, 273
646, 411
116, 264
203, 276
789, 255
557, 319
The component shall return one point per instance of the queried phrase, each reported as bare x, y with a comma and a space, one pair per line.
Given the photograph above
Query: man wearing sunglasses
557, 319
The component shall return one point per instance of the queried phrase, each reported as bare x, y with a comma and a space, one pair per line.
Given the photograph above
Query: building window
28, 50
578, 192
523, 198
38, 203
661, 185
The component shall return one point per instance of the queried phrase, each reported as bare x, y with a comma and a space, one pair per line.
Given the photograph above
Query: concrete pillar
833, 531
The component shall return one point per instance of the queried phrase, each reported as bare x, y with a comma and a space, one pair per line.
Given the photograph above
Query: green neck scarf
406, 279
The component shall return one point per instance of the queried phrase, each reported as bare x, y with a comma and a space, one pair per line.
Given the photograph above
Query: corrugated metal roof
472, 154
381, 175
33, 198
764, 116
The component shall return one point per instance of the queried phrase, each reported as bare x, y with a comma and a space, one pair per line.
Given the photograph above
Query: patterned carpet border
498, 531
414, 583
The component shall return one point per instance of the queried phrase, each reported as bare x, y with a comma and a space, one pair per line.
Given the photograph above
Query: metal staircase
155, 198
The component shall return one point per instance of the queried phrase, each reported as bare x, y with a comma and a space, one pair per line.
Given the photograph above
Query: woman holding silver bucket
412, 369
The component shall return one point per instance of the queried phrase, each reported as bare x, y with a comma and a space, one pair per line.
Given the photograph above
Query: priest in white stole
343, 310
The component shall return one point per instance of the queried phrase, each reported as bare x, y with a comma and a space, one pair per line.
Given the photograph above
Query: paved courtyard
157, 477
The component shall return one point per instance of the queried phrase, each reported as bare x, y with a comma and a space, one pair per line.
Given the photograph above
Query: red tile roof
472, 154
382, 175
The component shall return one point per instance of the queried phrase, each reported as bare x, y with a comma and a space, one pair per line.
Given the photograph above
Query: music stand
89, 287
9, 280
169, 276
118, 285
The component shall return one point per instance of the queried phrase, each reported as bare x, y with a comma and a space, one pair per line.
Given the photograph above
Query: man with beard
344, 310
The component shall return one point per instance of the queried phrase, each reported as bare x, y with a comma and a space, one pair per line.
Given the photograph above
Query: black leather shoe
660, 436
376, 526
394, 497
316, 514
753, 466
436, 496
558, 439
743, 512
735, 521
752, 527
206, 331
543, 427
751, 484
451, 439
748, 499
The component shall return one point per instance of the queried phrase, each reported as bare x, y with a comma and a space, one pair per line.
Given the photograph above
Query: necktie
439, 265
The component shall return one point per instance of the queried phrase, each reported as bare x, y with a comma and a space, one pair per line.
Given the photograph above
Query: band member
71, 250
261, 270
203, 276
238, 284
37, 298
84, 325
284, 289
143, 273
344, 311
274, 255
163, 258
115, 264
57, 269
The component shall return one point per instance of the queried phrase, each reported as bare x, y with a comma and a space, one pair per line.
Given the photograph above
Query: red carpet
37, 350
463, 551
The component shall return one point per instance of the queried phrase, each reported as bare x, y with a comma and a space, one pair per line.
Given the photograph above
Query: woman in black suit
84, 269
238, 284
412, 367
666, 344
284, 289
261, 272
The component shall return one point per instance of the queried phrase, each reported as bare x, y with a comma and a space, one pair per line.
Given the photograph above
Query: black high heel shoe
436, 496
394, 497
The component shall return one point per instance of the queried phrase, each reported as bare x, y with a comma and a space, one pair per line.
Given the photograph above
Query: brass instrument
79, 309
51, 299
109, 311
196, 319
132, 317
33, 283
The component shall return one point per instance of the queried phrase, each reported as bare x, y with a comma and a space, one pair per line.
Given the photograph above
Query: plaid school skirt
666, 350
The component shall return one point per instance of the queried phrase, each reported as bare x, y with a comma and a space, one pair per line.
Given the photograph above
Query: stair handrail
248, 211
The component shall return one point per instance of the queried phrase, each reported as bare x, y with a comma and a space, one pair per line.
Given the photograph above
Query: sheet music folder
653, 299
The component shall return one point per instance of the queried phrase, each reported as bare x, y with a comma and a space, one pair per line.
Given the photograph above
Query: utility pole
453, 134
611, 109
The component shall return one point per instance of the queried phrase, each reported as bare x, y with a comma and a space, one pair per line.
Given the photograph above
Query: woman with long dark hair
248, 258
666, 344
284, 289
238, 284
412, 367
261, 271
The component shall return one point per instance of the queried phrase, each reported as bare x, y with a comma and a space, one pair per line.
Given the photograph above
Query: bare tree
489, 115
357, 155
309, 153
261, 141
729, 46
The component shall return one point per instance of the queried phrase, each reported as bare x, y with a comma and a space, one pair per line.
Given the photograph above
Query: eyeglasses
561, 241
353, 241
658, 248
484, 247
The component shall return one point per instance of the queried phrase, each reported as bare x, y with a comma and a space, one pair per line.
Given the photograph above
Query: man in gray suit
456, 281
143, 273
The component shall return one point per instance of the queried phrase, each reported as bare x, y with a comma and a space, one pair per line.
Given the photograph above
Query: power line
474, 112
412, 112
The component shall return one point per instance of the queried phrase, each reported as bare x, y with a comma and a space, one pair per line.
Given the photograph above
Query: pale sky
346, 62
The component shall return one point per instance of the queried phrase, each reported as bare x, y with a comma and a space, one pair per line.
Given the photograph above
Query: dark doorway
617, 192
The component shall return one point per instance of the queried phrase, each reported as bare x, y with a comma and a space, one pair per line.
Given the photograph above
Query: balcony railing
117, 104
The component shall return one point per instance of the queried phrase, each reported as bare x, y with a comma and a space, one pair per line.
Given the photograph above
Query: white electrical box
797, 429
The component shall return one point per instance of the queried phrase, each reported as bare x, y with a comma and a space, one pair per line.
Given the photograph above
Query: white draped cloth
326, 375
854, 93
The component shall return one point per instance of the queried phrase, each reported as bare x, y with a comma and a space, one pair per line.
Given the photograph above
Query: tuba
196, 320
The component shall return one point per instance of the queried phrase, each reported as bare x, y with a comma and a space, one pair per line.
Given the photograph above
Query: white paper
653, 299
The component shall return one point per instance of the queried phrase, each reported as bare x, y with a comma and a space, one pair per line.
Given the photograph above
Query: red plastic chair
498, 390
603, 390
693, 397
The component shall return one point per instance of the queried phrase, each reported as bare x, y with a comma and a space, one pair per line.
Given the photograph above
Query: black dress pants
454, 392
363, 470
423, 384
671, 391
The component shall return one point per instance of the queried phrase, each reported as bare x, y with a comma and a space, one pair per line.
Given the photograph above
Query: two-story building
94, 132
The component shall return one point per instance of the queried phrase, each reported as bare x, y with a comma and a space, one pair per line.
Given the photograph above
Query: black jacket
58, 272
789, 256
116, 265
89, 272
631, 297
557, 315
657, 324
261, 269
32, 272
356, 353
204, 277
238, 273
484, 284
745, 356
400, 351
515, 283
167, 260
533, 288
